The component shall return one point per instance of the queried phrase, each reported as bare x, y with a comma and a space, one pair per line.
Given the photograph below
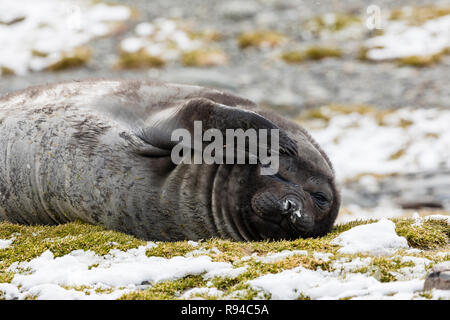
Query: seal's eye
319, 198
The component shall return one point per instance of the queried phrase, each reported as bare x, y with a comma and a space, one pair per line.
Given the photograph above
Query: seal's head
300, 200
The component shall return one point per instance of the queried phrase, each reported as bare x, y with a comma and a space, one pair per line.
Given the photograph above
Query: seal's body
99, 151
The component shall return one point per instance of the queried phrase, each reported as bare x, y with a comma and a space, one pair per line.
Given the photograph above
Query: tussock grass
260, 38
311, 53
203, 58
332, 23
419, 15
80, 56
139, 59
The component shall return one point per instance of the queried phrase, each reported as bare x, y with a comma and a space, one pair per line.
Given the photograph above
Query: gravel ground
256, 74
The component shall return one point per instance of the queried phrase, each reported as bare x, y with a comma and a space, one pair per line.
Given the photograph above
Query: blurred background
369, 79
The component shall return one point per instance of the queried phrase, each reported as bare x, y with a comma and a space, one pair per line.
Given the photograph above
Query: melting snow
374, 238
5, 243
358, 144
290, 284
163, 37
46, 276
272, 257
402, 40
35, 34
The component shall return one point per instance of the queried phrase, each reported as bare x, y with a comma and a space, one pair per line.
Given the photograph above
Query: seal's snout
272, 207
293, 210
292, 207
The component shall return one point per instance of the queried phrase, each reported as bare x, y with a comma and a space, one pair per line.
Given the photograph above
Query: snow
277, 256
374, 238
161, 37
289, 284
325, 256
347, 265
227, 272
358, 144
438, 217
48, 277
341, 283
403, 40
4, 244
202, 291
51, 27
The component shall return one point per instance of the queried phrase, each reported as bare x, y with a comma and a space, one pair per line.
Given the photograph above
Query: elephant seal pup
99, 151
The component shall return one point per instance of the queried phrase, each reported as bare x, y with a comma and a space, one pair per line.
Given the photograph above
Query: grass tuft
260, 39
311, 53
139, 59
77, 58
203, 58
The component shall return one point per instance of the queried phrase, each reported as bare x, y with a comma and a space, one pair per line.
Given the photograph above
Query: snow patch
408, 140
162, 37
4, 244
272, 257
202, 291
374, 238
291, 284
120, 271
403, 40
36, 34
228, 272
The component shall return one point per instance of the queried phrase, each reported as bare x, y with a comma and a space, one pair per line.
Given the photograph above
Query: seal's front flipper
158, 129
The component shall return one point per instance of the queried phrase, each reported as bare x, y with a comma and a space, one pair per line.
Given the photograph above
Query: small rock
439, 278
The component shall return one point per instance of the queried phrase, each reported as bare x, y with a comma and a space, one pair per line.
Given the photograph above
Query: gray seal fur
99, 151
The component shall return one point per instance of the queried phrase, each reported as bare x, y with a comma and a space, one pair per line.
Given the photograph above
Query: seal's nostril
289, 206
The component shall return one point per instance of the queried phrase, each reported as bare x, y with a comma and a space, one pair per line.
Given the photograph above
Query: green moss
5, 71
320, 52
325, 113
37, 53
260, 38
206, 35
384, 268
332, 22
426, 294
293, 56
170, 249
6, 276
166, 289
420, 61
31, 241
292, 262
139, 59
78, 57
303, 297
419, 15
398, 154
311, 53
362, 53
429, 234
